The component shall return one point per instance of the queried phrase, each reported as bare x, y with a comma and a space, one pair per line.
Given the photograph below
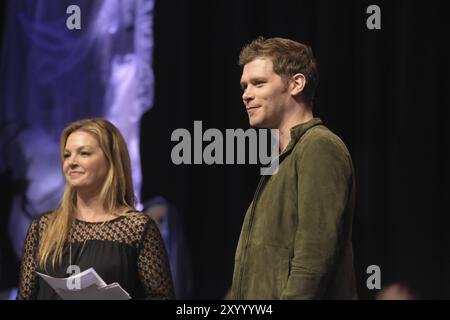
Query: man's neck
302, 115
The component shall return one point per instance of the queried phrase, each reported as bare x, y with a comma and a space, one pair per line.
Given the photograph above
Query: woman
96, 224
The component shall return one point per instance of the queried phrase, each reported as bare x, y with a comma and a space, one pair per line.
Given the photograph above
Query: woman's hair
117, 190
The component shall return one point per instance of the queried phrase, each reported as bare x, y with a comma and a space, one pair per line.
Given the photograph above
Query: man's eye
259, 83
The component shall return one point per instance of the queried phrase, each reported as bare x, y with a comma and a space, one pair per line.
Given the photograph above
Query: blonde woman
96, 224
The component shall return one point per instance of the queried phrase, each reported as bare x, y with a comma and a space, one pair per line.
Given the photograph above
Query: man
296, 238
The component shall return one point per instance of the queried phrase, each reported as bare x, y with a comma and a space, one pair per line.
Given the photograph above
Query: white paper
86, 285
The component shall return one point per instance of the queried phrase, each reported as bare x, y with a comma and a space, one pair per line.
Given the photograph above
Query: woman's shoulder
39, 223
136, 215
138, 225
138, 219
42, 219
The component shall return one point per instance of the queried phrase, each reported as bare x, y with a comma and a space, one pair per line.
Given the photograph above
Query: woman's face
85, 165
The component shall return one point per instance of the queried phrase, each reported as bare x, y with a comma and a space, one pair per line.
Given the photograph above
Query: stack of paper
86, 285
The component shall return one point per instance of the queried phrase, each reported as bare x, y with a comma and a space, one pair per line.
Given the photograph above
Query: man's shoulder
320, 138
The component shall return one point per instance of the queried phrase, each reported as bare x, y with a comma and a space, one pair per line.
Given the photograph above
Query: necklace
79, 255
95, 229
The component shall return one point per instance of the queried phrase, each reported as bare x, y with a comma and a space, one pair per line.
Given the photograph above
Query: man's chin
254, 123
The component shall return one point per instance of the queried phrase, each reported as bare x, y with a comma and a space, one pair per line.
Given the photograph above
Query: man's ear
298, 82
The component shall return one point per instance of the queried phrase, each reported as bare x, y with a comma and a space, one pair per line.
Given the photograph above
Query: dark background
384, 92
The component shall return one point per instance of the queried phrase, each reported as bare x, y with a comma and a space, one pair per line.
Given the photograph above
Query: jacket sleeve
28, 285
324, 174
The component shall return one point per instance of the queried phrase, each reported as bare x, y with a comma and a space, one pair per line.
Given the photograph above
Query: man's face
85, 165
265, 94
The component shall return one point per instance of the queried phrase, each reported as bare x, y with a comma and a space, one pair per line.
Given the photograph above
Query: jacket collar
296, 133
299, 130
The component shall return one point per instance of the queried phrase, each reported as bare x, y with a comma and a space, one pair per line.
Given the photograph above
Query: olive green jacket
296, 239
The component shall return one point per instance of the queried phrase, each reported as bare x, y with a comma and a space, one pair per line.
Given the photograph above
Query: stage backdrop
51, 75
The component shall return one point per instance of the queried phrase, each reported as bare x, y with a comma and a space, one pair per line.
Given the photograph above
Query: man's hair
288, 57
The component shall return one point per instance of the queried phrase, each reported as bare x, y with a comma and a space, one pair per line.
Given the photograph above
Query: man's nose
247, 96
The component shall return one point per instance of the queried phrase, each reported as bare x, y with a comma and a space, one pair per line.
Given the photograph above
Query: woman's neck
90, 208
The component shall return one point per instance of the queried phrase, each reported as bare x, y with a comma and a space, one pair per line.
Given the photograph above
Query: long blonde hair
117, 190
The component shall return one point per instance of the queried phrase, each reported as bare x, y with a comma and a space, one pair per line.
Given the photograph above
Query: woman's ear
298, 82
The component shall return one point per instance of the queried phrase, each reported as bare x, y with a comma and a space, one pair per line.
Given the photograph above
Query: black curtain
9, 264
385, 92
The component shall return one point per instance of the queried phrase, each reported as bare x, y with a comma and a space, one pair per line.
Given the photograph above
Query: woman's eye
66, 155
85, 153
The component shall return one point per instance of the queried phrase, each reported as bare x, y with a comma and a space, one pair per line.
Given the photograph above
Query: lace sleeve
28, 281
153, 265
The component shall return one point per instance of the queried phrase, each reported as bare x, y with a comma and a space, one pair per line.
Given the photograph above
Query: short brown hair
288, 57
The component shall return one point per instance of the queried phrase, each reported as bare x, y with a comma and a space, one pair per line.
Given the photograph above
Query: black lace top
128, 250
